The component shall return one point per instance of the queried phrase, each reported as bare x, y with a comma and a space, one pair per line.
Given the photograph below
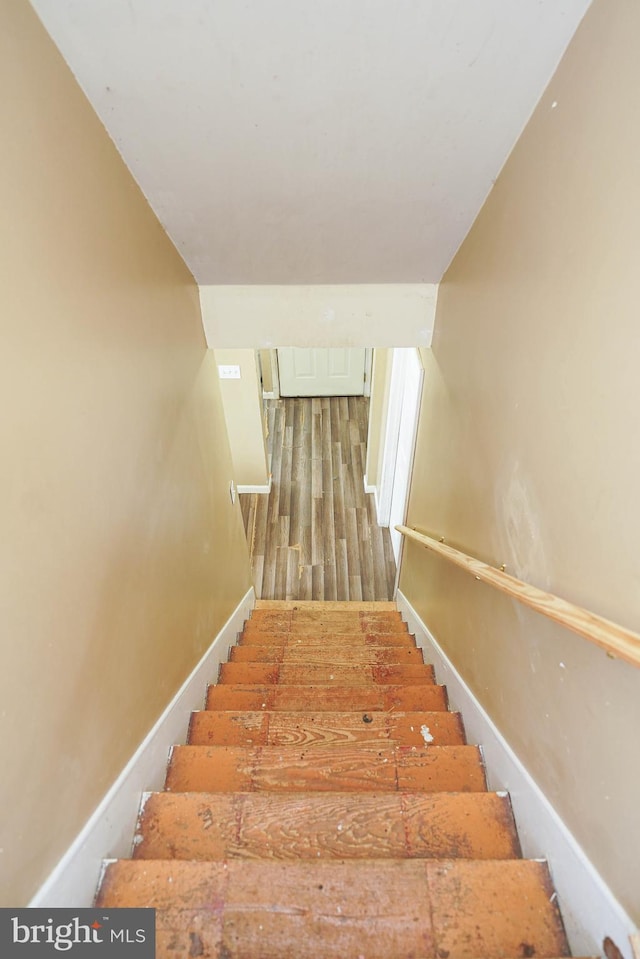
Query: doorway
318, 458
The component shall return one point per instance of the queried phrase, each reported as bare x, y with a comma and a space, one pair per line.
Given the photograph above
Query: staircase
326, 805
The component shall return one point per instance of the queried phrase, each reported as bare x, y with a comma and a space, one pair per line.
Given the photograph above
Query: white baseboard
108, 834
266, 488
368, 488
269, 395
589, 909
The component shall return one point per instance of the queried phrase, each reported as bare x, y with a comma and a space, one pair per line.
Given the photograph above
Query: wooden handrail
619, 642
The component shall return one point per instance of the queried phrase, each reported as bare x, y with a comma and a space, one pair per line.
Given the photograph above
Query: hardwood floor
315, 535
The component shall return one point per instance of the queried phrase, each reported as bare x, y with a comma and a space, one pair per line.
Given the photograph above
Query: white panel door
321, 372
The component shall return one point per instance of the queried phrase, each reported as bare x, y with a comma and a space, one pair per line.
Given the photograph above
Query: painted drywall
381, 377
242, 403
297, 141
345, 315
121, 555
529, 444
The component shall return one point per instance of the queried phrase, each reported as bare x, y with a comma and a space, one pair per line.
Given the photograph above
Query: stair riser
244, 728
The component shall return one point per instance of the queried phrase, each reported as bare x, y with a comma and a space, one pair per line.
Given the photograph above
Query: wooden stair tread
308, 614
342, 627
295, 674
327, 825
354, 767
274, 638
367, 605
346, 622
261, 728
327, 697
378, 909
323, 654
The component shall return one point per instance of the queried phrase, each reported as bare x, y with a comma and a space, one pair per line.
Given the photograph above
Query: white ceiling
314, 141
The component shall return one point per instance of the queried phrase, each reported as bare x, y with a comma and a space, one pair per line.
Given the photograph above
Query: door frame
391, 436
395, 409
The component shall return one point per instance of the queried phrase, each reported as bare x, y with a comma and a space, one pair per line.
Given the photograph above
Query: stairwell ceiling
314, 141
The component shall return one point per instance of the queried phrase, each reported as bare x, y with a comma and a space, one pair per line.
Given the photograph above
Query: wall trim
108, 834
368, 370
391, 436
369, 488
264, 488
589, 908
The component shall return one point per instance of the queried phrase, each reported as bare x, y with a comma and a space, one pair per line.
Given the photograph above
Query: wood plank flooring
315, 535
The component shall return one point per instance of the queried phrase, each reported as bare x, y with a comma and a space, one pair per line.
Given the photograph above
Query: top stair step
327, 606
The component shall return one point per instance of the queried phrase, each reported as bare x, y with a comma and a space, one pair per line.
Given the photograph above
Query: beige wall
529, 446
120, 554
242, 402
386, 314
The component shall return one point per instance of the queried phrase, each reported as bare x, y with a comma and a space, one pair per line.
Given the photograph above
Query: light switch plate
226, 372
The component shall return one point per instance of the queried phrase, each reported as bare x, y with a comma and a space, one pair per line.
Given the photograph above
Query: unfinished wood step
308, 614
365, 624
408, 909
326, 626
270, 637
357, 767
326, 698
318, 675
327, 655
258, 728
328, 605
210, 826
